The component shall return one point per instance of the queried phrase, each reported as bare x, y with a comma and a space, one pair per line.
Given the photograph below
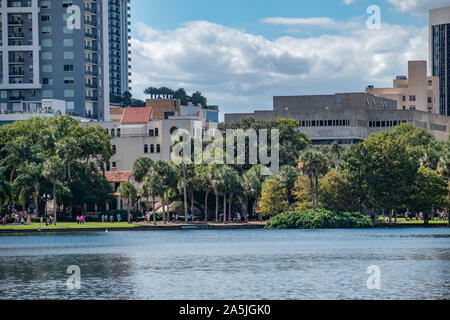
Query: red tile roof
136, 115
118, 176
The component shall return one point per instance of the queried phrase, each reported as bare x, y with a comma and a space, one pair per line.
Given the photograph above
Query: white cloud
316, 22
240, 71
418, 6
347, 2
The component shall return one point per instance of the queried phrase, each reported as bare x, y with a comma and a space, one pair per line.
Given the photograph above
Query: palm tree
141, 167
127, 191
53, 170
5, 190
152, 187
252, 185
17, 154
313, 164
204, 174
288, 176
216, 186
168, 179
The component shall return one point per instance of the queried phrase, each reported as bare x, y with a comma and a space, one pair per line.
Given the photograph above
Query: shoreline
175, 227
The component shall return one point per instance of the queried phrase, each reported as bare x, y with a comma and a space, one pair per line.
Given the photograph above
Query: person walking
119, 217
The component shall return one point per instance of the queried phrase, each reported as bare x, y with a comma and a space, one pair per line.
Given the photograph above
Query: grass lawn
414, 221
68, 225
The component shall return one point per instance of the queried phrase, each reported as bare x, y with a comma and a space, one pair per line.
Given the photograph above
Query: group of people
81, 219
16, 219
105, 218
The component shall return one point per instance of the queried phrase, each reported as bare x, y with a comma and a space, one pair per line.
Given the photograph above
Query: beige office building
415, 92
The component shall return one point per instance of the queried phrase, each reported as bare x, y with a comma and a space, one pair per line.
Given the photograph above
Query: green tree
127, 191
152, 187
313, 165
288, 176
334, 193
428, 192
168, 179
141, 167
273, 198
302, 193
53, 170
252, 185
204, 174
5, 190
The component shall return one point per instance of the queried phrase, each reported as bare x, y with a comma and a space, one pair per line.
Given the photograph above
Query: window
145, 148
430, 100
404, 98
69, 93
114, 165
151, 133
118, 132
156, 132
113, 134
47, 81
46, 30
47, 94
412, 98
338, 100
404, 107
47, 55
68, 67
68, 42
430, 82
46, 43
158, 148
114, 148
47, 68
68, 80
67, 30
152, 148
45, 17
46, 4
68, 54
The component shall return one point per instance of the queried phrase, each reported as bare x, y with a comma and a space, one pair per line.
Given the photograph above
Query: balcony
90, 22
15, 35
16, 22
16, 60
17, 73
91, 73
90, 48
90, 60
90, 35
91, 86
91, 98
16, 98
19, 4
92, 10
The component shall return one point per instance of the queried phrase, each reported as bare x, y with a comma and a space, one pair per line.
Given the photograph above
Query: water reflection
241, 264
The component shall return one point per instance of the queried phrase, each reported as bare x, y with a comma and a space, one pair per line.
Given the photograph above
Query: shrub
319, 219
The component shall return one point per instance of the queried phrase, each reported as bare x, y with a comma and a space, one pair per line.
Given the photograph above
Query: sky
241, 53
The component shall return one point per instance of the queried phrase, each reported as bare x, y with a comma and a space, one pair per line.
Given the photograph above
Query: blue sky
240, 53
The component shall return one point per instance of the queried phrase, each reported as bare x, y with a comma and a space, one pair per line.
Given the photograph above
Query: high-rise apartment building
62, 55
439, 20
119, 47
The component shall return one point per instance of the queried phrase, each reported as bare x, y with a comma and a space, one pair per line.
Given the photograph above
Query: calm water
216, 264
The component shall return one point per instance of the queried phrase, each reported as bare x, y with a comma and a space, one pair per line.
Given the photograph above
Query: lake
228, 264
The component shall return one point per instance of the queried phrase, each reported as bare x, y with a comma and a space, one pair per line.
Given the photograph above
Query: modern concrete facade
119, 47
346, 118
415, 92
439, 21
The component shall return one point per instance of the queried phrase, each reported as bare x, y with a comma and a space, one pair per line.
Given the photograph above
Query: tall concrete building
417, 91
439, 20
119, 47
60, 56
